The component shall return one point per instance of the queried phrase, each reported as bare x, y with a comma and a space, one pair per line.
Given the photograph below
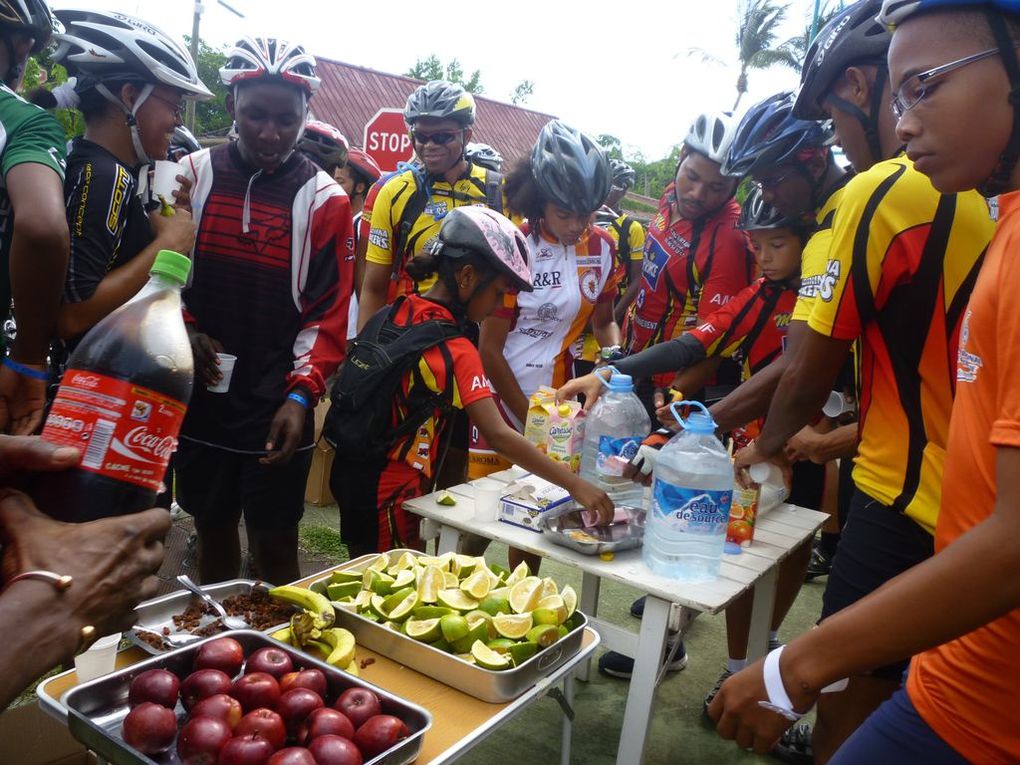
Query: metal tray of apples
492, 686
97, 709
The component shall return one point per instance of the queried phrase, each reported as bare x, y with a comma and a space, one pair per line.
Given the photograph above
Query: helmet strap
999, 180
869, 122
129, 116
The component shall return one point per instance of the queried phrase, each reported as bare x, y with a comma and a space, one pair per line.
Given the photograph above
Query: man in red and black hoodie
271, 284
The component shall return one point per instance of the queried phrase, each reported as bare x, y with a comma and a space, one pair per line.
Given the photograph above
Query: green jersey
27, 134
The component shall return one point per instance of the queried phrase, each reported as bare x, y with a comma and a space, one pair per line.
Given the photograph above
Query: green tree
40, 70
522, 92
799, 45
611, 144
432, 68
211, 116
757, 33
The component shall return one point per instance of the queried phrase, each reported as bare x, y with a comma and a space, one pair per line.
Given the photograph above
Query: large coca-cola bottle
121, 401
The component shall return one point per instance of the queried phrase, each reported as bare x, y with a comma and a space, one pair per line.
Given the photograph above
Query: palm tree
798, 46
756, 41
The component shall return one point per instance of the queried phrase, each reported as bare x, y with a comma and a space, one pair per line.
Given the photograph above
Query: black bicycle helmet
756, 214
853, 37
769, 135
483, 155
623, 174
440, 100
31, 17
182, 144
570, 168
475, 229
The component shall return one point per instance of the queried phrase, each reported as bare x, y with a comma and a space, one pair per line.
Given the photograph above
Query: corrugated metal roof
351, 95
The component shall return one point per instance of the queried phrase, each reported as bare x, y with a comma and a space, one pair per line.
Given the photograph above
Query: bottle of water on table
691, 493
613, 432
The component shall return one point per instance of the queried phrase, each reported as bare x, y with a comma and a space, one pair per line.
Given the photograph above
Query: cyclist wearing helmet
356, 177
271, 284
33, 227
902, 261
695, 258
408, 208
479, 257
324, 145
131, 79
182, 144
628, 236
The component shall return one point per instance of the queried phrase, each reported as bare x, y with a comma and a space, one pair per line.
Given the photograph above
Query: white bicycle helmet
105, 46
270, 58
711, 134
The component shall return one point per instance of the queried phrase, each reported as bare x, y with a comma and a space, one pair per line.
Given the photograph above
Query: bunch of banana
312, 630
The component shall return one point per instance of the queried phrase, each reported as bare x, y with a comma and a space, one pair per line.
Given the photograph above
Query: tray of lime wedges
480, 628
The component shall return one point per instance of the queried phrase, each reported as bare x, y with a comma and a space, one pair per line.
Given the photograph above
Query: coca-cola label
125, 432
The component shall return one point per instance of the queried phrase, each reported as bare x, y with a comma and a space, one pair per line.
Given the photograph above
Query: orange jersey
966, 689
902, 263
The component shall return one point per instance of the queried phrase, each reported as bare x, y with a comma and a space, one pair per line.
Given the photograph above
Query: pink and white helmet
270, 58
489, 233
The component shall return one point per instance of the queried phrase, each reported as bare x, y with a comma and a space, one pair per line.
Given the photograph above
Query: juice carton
566, 435
541, 406
743, 511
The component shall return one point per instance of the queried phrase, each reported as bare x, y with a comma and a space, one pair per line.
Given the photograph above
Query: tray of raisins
181, 613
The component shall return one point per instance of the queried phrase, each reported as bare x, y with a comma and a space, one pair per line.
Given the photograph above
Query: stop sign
387, 140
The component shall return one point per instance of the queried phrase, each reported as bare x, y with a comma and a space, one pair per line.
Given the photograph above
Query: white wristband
779, 702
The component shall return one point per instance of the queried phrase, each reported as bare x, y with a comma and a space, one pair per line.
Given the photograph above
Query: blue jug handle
676, 414
605, 380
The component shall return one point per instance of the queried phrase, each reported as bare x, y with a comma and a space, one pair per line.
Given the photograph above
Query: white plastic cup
98, 660
227, 362
765, 472
164, 180
835, 405
487, 496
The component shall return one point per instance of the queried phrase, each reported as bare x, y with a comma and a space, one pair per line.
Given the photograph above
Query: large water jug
613, 432
691, 492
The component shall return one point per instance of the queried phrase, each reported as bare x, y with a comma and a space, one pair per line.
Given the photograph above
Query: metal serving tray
158, 613
96, 710
568, 529
493, 686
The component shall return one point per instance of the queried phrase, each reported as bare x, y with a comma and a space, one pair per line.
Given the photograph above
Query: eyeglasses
178, 107
918, 87
439, 139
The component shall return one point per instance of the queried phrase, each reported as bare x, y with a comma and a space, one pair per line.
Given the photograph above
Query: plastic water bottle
691, 493
614, 430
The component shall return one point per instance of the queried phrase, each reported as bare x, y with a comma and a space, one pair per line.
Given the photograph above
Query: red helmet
324, 145
364, 164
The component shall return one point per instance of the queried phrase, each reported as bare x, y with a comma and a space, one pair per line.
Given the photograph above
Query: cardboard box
29, 736
527, 498
317, 488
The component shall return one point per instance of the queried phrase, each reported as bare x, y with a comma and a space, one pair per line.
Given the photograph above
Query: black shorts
808, 486
877, 544
217, 487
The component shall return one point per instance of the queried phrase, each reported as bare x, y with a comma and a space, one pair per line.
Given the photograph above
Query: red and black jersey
690, 269
753, 324
272, 276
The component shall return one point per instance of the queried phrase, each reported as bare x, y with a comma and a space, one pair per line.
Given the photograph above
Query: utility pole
814, 22
196, 21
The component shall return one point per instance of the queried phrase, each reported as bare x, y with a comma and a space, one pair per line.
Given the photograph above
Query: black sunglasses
439, 139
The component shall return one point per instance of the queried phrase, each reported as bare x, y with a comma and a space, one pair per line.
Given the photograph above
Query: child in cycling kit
478, 258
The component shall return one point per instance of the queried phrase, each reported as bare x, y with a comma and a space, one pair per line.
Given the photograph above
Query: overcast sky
619, 68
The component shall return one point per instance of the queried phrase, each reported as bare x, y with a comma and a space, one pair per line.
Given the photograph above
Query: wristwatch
612, 353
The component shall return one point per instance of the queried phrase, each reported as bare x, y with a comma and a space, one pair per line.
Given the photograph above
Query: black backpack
358, 424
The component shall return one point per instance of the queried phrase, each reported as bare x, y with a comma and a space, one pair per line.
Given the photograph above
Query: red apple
312, 679
335, 750
250, 749
292, 755
155, 685
267, 724
295, 705
221, 705
322, 722
358, 704
150, 728
379, 733
256, 690
272, 661
203, 684
224, 654
201, 740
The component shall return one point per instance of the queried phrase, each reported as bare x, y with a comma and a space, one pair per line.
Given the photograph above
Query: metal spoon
231, 622
172, 640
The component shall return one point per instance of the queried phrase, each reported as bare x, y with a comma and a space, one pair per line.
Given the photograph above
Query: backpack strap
494, 190
415, 206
